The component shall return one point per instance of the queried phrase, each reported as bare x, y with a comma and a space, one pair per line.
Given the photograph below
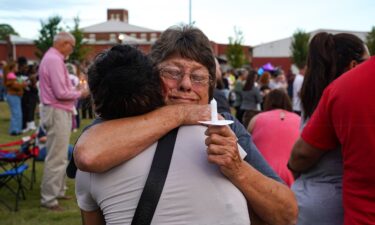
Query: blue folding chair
13, 174
18, 152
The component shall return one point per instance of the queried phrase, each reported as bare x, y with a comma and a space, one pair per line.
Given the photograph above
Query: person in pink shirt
57, 97
275, 131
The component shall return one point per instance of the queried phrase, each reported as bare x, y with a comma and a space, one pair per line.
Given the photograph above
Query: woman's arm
303, 156
15, 85
250, 128
271, 200
110, 143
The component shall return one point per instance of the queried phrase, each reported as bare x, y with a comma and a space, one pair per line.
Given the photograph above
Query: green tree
234, 53
5, 30
299, 48
80, 52
370, 41
46, 35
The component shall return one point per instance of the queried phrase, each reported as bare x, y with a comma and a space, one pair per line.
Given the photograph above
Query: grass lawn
30, 212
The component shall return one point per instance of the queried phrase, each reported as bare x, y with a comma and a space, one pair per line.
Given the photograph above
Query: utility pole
189, 12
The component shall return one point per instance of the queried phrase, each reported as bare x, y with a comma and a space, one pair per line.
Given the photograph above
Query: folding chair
17, 152
6, 177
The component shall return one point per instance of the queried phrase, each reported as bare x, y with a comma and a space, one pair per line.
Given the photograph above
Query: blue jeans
2, 90
14, 103
43, 153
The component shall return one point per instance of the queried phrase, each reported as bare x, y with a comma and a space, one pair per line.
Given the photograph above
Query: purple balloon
268, 67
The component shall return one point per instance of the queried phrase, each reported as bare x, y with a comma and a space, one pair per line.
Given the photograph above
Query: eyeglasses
196, 78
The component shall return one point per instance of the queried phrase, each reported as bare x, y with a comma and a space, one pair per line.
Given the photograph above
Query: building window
144, 36
134, 35
112, 38
92, 38
153, 37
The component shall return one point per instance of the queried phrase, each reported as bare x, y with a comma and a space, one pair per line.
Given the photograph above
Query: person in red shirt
319, 189
346, 116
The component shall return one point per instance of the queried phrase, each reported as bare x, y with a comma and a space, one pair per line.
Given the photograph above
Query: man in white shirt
297, 85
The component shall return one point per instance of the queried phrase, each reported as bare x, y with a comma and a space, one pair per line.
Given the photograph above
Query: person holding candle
184, 59
57, 98
110, 197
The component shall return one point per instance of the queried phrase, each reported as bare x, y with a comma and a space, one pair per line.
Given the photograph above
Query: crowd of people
58, 88
296, 153
19, 87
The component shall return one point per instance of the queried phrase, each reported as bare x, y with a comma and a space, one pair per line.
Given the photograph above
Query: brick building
98, 37
117, 29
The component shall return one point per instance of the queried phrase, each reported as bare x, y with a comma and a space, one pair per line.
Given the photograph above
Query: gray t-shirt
250, 99
195, 192
319, 191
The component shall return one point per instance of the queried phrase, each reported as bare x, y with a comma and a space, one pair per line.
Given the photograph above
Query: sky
260, 21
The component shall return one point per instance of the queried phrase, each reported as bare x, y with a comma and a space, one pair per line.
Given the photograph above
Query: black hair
250, 80
123, 83
22, 61
328, 57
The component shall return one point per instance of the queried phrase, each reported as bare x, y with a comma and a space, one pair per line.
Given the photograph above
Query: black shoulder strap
155, 180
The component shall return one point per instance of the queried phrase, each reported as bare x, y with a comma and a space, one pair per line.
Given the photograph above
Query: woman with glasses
319, 188
186, 65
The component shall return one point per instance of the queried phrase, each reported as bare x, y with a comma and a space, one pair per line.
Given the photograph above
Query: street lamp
121, 38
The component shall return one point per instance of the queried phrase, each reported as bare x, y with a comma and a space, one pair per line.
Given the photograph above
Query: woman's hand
222, 150
190, 114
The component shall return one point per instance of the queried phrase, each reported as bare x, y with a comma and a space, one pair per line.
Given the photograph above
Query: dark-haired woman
275, 131
319, 189
251, 98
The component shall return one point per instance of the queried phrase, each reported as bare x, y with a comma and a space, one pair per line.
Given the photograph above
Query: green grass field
30, 212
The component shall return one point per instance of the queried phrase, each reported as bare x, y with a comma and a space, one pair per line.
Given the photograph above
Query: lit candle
213, 110
83, 83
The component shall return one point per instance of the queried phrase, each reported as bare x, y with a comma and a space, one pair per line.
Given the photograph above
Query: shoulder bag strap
155, 180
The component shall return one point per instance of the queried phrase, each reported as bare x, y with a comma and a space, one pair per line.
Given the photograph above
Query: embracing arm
303, 156
110, 143
271, 200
